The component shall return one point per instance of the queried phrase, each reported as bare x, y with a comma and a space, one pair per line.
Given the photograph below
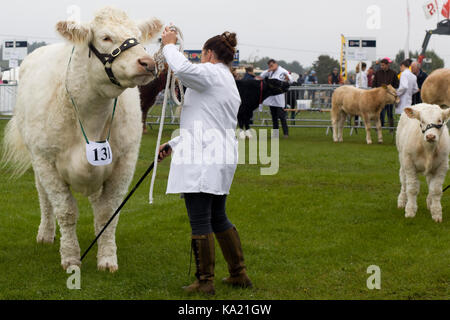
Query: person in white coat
407, 88
204, 155
278, 102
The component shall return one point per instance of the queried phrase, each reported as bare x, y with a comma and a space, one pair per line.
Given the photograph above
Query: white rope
171, 79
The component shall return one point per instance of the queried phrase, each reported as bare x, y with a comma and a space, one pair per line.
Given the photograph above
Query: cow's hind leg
104, 203
340, 124
64, 207
401, 201
46, 233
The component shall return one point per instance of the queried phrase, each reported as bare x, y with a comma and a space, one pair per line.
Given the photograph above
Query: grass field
309, 232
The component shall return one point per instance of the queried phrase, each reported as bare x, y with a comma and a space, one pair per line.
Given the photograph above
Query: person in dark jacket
421, 76
249, 75
386, 76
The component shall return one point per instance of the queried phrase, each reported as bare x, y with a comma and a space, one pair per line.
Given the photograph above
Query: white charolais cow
45, 130
423, 145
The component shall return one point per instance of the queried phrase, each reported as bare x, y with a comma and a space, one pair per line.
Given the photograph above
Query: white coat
205, 154
279, 74
361, 80
408, 87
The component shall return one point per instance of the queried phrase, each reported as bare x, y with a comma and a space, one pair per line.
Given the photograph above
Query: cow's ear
445, 114
74, 32
149, 29
412, 113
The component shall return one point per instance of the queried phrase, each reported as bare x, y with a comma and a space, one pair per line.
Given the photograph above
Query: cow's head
110, 30
391, 94
432, 120
275, 87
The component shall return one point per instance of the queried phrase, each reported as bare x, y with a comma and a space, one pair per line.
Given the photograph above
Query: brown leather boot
203, 247
230, 243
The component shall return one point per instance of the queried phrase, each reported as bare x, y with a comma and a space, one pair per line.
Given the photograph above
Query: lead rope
171, 79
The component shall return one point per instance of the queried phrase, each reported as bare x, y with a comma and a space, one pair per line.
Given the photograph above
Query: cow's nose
147, 63
430, 137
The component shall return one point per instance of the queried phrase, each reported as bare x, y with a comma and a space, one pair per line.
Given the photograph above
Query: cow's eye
439, 121
107, 39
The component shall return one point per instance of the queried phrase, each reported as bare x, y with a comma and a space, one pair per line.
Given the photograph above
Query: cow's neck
94, 102
429, 153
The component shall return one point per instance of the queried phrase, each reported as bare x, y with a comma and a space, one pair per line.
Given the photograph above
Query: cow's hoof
108, 263
369, 142
410, 214
437, 218
380, 141
67, 262
45, 238
401, 204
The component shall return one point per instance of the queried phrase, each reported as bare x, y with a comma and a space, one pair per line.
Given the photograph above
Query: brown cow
148, 94
436, 88
348, 100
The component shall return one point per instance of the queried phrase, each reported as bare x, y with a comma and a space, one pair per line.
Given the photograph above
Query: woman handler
205, 155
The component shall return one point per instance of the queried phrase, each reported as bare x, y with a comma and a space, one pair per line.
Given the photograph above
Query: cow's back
436, 88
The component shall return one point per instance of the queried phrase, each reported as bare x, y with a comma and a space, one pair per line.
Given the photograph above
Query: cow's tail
15, 153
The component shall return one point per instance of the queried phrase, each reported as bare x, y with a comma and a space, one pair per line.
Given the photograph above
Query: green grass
309, 232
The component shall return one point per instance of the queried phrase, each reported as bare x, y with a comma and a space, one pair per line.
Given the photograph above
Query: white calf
423, 145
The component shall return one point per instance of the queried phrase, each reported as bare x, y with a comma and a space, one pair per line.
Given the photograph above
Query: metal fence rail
308, 107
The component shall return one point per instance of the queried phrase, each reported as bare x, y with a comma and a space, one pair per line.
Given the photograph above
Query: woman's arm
194, 76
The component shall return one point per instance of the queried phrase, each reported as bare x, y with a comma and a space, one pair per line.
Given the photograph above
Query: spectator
370, 76
408, 87
421, 76
361, 76
376, 66
386, 76
335, 77
1, 77
311, 78
277, 103
249, 75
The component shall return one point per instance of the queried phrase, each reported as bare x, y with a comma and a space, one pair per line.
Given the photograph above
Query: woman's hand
164, 151
169, 36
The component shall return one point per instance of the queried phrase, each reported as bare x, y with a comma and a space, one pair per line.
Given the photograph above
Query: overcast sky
282, 29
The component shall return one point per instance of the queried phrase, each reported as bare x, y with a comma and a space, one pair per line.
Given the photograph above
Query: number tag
99, 153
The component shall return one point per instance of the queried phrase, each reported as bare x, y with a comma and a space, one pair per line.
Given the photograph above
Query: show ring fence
308, 106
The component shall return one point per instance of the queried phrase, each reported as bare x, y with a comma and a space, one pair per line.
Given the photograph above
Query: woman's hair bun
230, 38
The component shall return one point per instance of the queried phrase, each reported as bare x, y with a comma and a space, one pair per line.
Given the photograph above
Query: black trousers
279, 113
207, 213
389, 109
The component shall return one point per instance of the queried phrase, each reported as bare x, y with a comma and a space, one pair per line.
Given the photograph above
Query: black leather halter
108, 58
431, 125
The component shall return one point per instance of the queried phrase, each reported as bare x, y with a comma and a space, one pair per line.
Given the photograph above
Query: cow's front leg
412, 190
104, 203
379, 129
64, 207
47, 227
435, 193
367, 125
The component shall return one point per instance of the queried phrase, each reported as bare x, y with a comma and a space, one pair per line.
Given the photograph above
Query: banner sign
14, 50
361, 48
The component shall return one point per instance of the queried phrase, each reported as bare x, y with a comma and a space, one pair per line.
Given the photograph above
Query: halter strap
430, 126
108, 58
